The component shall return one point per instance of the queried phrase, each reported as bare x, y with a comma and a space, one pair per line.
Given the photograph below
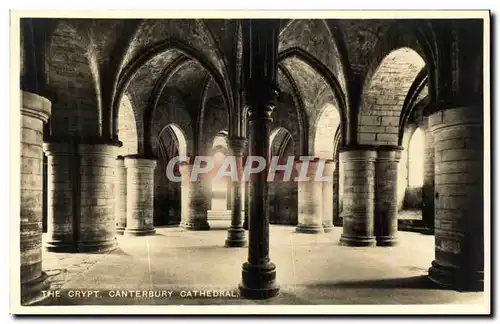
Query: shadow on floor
417, 282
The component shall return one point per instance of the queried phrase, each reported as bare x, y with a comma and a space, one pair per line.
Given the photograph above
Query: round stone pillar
428, 187
236, 233
328, 204
96, 228
140, 195
358, 197
121, 196
338, 193
246, 192
194, 196
309, 199
459, 198
81, 181
386, 196
61, 200
35, 111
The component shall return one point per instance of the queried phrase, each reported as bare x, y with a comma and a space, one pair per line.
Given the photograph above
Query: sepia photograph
211, 162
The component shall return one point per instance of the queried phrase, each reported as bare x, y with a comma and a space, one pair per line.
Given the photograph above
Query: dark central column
260, 47
236, 233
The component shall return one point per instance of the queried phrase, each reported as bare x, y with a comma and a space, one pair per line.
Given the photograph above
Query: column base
139, 231
357, 240
236, 237
328, 228
258, 281
31, 292
456, 278
195, 226
81, 247
309, 229
120, 230
387, 241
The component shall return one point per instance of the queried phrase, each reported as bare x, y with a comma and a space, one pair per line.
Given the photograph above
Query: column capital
364, 147
35, 106
458, 115
88, 140
394, 156
237, 145
261, 111
138, 161
359, 155
449, 103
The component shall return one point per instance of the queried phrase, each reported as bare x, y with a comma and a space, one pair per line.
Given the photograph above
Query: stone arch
340, 98
326, 126
384, 96
406, 35
314, 36
281, 142
72, 80
153, 51
213, 115
287, 84
167, 195
283, 203
173, 113
127, 128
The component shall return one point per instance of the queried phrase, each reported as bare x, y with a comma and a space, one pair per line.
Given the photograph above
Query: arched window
416, 159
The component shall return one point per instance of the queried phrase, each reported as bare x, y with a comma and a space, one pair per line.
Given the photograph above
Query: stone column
459, 198
246, 187
96, 222
309, 199
260, 52
81, 181
428, 187
35, 111
236, 233
328, 196
358, 199
337, 220
61, 200
121, 196
194, 204
386, 196
140, 195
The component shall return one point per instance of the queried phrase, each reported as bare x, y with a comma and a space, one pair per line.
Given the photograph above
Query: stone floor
311, 269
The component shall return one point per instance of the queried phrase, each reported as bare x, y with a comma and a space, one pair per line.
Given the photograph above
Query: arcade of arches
394, 107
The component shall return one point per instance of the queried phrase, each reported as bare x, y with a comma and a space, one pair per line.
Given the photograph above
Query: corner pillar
35, 111
459, 198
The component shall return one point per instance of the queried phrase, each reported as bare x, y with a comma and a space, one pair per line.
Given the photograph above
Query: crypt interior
393, 107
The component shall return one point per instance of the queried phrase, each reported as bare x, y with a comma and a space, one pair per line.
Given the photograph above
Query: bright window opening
416, 159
